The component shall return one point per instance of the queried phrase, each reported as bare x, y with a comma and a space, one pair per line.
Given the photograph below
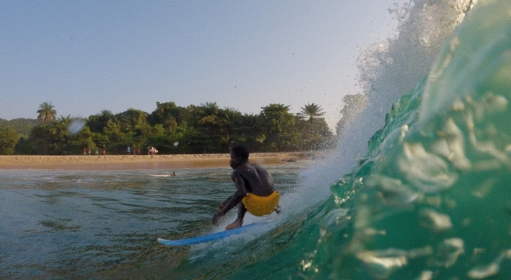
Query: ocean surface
418, 187
95, 225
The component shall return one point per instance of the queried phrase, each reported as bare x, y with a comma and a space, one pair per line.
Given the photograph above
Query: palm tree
312, 111
46, 113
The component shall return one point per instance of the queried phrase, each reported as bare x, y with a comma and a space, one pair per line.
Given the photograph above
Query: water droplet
483, 271
75, 126
392, 191
491, 269
434, 221
335, 220
448, 252
381, 264
426, 275
426, 171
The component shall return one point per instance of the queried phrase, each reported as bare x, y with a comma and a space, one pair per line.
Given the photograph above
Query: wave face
425, 191
431, 198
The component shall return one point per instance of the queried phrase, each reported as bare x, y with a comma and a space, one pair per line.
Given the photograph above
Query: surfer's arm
222, 205
233, 200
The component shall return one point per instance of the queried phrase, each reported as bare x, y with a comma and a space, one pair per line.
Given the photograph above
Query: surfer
254, 189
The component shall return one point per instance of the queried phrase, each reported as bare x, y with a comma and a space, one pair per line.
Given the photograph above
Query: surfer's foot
277, 209
236, 224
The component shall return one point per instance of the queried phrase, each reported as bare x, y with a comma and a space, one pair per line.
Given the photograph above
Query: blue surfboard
209, 237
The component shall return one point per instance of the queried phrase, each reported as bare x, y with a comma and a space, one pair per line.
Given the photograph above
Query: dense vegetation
171, 129
22, 126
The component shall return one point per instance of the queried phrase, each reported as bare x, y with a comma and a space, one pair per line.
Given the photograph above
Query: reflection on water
62, 224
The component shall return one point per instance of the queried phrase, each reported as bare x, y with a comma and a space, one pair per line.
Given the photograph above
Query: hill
22, 126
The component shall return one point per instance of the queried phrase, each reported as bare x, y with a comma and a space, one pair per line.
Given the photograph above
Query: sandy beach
131, 162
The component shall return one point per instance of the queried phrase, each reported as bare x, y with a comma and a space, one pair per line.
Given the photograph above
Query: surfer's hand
216, 217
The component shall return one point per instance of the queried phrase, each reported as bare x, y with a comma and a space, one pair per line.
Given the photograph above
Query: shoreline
134, 162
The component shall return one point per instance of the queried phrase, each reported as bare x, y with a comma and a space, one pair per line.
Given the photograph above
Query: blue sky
89, 56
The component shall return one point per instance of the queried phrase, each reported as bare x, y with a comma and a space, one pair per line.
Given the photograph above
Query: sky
88, 56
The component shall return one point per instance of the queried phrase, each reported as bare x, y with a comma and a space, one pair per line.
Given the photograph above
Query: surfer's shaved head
241, 152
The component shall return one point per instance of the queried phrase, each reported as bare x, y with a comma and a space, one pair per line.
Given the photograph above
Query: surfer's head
239, 155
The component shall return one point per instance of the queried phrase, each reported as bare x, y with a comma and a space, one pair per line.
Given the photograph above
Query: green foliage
173, 129
316, 134
278, 125
4, 123
96, 123
167, 114
54, 139
8, 140
22, 126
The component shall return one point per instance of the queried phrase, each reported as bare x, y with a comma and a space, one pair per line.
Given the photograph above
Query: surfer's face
235, 161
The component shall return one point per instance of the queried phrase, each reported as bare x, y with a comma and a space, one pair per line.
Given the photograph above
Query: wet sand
132, 162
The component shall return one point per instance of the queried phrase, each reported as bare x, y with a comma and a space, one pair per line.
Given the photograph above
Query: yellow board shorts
261, 205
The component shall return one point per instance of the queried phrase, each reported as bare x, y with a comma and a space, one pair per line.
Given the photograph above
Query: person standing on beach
255, 192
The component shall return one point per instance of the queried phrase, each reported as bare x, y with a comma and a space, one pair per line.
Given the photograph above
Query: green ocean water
431, 199
417, 189
62, 224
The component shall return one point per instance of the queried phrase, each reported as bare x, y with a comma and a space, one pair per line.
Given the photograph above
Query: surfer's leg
235, 224
241, 212
239, 221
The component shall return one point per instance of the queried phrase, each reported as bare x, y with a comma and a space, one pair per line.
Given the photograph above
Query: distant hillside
22, 126
4, 123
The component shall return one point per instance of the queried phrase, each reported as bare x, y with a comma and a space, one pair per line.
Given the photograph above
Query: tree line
172, 129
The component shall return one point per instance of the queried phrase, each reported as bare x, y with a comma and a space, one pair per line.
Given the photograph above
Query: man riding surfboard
254, 189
